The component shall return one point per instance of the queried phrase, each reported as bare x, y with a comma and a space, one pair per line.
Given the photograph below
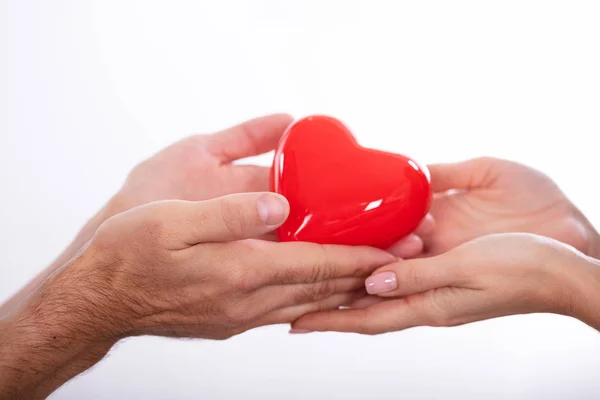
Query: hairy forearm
55, 336
12, 305
37, 360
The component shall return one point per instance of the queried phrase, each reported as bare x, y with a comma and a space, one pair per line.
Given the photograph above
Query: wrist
581, 285
57, 334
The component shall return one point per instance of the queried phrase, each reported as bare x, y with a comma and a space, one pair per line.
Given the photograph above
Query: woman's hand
180, 269
493, 276
486, 195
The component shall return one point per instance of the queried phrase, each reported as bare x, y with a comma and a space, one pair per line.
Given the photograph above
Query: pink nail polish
381, 283
299, 331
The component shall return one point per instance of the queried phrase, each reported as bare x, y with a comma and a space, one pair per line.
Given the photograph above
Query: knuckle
325, 268
321, 290
153, 230
302, 295
232, 217
414, 278
241, 281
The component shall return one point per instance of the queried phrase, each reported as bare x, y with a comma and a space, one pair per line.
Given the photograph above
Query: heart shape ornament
342, 193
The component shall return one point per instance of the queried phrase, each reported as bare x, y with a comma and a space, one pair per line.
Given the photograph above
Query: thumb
464, 175
235, 217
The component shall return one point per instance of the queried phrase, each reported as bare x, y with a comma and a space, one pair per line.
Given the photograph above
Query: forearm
12, 305
55, 337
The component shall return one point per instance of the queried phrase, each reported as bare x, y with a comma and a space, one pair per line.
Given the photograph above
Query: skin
178, 269
489, 277
199, 167
73, 312
486, 195
472, 268
191, 268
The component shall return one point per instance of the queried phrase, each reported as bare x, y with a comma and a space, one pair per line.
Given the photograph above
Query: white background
88, 89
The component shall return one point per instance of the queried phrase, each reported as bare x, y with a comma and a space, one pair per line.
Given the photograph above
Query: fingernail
272, 209
381, 283
299, 331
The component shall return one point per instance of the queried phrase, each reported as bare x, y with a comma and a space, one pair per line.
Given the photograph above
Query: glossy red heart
342, 193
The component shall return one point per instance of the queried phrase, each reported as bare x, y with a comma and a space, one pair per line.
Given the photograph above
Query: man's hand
196, 168
180, 269
199, 167
492, 276
486, 195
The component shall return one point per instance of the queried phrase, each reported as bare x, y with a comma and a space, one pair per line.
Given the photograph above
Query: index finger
463, 175
250, 138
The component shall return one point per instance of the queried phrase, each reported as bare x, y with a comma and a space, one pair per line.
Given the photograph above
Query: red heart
342, 193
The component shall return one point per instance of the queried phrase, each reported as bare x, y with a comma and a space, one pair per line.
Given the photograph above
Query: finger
409, 247
230, 218
271, 298
366, 301
271, 237
290, 314
426, 227
249, 138
248, 178
301, 262
464, 175
413, 276
387, 316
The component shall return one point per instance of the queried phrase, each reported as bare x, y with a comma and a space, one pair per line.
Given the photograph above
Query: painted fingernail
272, 209
381, 283
299, 331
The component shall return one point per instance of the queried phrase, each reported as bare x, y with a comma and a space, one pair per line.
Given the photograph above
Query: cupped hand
487, 195
189, 269
201, 167
493, 276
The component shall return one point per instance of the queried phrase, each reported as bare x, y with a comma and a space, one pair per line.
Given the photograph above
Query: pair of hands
472, 199
205, 265
176, 253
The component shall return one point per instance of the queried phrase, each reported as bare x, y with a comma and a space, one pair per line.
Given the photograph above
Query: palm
498, 197
201, 167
